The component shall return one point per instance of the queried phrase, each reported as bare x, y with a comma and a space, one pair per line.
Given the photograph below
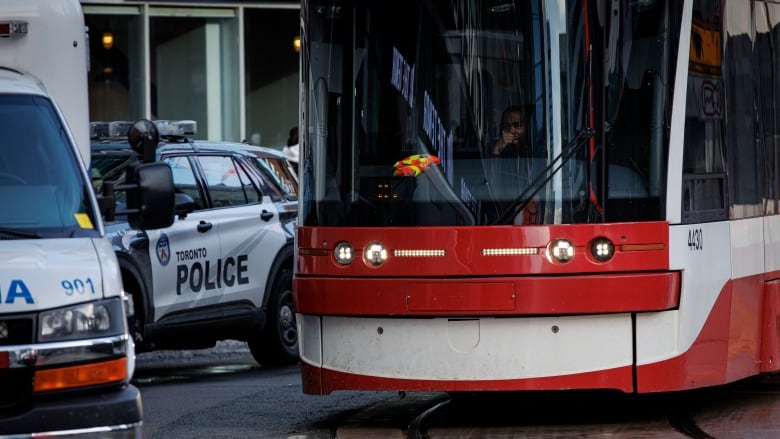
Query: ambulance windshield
42, 190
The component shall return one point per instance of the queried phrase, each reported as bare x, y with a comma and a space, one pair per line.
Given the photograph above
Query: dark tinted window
704, 159
184, 179
228, 184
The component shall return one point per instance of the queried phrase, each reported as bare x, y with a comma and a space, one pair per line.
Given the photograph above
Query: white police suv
223, 270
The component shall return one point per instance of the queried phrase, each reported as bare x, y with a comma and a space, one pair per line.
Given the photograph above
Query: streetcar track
414, 430
425, 416
684, 423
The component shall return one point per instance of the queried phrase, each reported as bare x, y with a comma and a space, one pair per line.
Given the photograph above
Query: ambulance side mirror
151, 204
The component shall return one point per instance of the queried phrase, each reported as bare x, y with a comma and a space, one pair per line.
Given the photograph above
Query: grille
17, 390
15, 384
15, 331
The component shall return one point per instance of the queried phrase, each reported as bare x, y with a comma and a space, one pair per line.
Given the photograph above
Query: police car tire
136, 322
277, 344
136, 326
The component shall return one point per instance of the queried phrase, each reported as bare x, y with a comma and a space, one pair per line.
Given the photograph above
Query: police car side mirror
144, 137
151, 203
184, 205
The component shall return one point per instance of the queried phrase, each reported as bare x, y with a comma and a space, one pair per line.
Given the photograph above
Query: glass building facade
233, 67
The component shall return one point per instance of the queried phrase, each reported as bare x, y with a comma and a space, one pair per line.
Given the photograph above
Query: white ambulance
65, 356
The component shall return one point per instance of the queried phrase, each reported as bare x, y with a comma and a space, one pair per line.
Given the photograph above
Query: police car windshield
42, 190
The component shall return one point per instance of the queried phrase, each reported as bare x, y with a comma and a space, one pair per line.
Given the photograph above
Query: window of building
195, 62
272, 81
194, 68
116, 75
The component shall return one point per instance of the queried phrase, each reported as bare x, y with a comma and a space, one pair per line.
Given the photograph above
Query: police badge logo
163, 250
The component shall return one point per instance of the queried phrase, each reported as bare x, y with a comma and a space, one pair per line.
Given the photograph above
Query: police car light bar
12, 28
119, 129
176, 127
109, 130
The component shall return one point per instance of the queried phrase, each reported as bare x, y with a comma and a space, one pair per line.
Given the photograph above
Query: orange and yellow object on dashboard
415, 164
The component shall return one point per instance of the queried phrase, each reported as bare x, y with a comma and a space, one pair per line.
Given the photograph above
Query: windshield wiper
19, 234
545, 176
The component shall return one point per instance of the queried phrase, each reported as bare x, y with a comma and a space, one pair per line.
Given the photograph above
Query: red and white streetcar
538, 195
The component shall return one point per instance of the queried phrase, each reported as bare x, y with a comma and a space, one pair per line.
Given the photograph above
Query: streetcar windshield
468, 112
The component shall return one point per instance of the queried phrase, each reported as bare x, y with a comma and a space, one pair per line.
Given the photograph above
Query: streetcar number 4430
695, 239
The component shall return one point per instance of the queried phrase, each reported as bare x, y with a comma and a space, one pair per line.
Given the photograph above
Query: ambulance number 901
78, 286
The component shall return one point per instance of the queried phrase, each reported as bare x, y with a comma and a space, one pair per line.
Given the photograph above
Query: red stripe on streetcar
770, 339
641, 247
320, 381
729, 346
462, 250
542, 295
740, 338
458, 296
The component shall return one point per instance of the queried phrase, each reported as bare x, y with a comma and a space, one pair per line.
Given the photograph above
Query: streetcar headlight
602, 249
344, 253
375, 254
561, 250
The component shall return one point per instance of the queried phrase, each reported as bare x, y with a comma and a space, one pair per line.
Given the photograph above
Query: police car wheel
135, 323
136, 326
277, 344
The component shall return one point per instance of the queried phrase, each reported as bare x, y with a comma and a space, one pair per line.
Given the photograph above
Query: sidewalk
227, 351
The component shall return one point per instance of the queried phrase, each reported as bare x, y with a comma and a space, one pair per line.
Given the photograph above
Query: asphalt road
223, 393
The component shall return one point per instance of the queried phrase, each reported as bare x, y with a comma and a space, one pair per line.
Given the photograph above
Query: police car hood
49, 273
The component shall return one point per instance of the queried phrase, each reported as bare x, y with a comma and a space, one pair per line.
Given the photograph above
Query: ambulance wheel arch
277, 343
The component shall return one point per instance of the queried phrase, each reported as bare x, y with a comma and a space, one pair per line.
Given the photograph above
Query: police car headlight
86, 320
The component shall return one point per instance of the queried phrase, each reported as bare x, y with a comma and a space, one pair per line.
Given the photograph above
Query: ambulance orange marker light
81, 376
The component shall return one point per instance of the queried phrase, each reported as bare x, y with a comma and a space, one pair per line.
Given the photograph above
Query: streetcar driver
509, 167
512, 140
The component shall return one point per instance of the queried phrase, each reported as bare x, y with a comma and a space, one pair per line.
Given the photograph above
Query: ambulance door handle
266, 215
204, 227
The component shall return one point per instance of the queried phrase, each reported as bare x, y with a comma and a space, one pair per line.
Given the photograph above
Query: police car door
249, 229
185, 257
